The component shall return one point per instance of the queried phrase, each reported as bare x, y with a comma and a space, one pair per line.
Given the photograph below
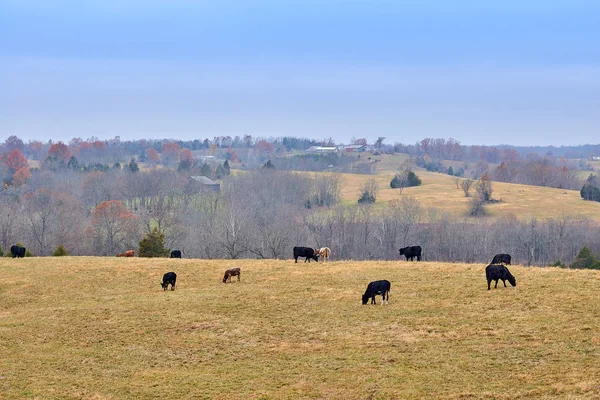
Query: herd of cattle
494, 272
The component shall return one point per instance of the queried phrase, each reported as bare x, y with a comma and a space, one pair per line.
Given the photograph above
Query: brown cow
121, 255
232, 272
129, 253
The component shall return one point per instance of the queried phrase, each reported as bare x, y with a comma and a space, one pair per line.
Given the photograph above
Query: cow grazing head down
512, 280
365, 299
232, 272
170, 278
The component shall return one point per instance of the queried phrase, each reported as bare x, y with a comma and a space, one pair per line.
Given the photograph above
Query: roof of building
204, 180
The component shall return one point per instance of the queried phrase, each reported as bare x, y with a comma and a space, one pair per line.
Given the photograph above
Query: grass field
102, 328
439, 191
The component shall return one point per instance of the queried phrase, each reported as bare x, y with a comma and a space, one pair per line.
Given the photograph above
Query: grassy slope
101, 328
439, 191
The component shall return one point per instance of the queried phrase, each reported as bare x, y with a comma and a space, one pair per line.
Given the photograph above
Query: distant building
322, 149
353, 148
203, 182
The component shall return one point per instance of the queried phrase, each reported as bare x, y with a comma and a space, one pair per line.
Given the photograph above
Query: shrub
366, 198
28, 253
591, 189
1, 251
585, 260
60, 251
403, 180
153, 245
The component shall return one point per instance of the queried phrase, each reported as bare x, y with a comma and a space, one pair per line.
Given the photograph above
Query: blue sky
482, 72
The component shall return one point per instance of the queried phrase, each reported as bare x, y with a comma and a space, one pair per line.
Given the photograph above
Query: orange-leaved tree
60, 151
114, 226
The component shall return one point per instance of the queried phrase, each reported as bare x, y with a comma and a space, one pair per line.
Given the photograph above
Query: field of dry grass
439, 191
102, 328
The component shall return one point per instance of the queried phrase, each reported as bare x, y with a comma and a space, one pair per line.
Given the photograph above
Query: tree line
262, 214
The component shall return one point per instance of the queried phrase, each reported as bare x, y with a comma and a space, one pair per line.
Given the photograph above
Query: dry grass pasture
439, 191
102, 328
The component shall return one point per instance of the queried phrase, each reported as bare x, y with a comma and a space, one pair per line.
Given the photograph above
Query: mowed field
102, 328
439, 191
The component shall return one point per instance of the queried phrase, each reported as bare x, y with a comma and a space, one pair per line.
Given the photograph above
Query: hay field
102, 328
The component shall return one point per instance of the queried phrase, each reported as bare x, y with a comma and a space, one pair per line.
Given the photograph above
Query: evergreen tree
73, 163
268, 165
153, 245
206, 170
133, 166
226, 167
60, 251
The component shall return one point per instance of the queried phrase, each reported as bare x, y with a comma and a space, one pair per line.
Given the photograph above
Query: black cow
411, 252
17, 251
493, 272
306, 252
375, 288
175, 254
501, 259
169, 278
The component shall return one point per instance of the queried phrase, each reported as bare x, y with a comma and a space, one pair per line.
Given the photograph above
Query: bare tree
466, 186
369, 191
456, 181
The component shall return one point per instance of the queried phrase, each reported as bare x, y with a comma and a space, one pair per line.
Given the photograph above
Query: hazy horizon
494, 73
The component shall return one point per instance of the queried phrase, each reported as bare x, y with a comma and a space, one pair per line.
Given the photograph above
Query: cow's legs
504, 281
418, 258
496, 284
239, 277
489, 282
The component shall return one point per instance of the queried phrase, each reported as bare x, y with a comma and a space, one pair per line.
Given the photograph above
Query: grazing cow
175, 254
377, 287
306, 252
501, 259
411, 252
169, 278
129, 253
121, 255
17, 251
232, 272
493, 272
324, 252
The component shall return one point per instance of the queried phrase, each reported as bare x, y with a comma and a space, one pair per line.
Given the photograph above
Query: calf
501, 259
377, 287
17, 251
306, 252
232, 272
129, 253
494, 272
169, 278
411, 252
175, 254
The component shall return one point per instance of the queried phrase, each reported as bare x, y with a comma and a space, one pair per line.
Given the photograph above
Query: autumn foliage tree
170, 153
152, 155
59, 151
113, 225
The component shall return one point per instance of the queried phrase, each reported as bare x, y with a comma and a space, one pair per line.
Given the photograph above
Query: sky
482, 72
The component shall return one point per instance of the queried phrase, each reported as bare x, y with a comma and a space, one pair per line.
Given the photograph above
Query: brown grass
439, 191
102, 328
